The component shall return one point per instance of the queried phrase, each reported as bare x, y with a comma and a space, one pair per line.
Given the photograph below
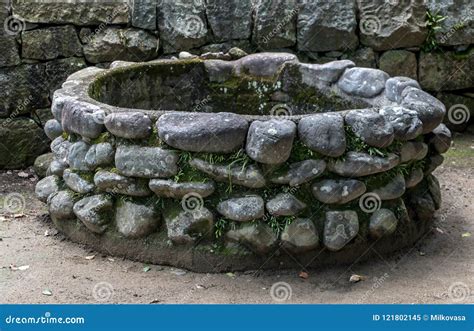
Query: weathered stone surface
405, 122
323, 133
60, 205
414, 178
382, 223
84, 13
429, 109
300, 236
135, 220
285, 204
203, 132
82, 74
101, 154
258, 237
229, 19
53, 129
117, 184
394, 189
182, 25
47, 186
77, 183
422, 204
172, 189
57, 168
395, 86
42, 164
242, 209
143, 14
399, 63
435, 190
327, 25
440, 71
121, 44
327, 73
413, 150
371, 127
340, 227
146, 162
270, 142
93, 211
441, 140
358, 164
338, 191
50, 43
219, 71
434, 161
184, 226
60, 148
457, 26
300, 172
22, 140
392, 24
9, 55
76, 157
363, 82
133, 125
274, 24
82, 118
263, 64
251, 176
362, 57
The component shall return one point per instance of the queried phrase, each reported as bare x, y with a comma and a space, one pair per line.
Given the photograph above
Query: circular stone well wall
261, 162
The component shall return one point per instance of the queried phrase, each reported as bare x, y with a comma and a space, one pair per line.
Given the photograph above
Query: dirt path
438, 270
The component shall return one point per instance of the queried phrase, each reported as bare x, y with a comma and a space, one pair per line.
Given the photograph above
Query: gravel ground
38, 265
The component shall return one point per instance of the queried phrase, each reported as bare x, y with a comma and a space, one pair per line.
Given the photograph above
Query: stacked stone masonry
42, 42
343, 164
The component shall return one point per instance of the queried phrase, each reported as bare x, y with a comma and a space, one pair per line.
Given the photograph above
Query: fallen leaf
356, 278
47, 292
422, 253
23, 174
146, 269
466, 235
230, 274
90, 257
303, 275
200, 287
46, 233
23, 267
439, 230
110, 259
19, 215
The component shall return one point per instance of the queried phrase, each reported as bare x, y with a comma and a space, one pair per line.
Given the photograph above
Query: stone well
260, 162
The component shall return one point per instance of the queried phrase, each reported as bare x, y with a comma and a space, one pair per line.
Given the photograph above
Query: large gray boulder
242, 209
263, 64
274, 24
371, 127
53, 129
171, 189
323, 133
47, 186
341, 191
441, 139
340, 227
395, 86
327, 26
42, 164
300, 236
259, 237
203, 132
394, 189
285, 204
117, 184
129, 44
363, 82
322, 75
50, 43
413, 150
135, 220
145, 162
229, 19
94, 212
101, 154
184, 226
133, 125
382, 223
10, 55
77, 183
60, 205
399, 63
76, 156
270, 142
358, 164
143, 14
300, 172
405, 122
392, 24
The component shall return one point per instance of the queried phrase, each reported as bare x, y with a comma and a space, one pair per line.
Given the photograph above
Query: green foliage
220, 227
278, 224
104, 137
356, 144
433, 24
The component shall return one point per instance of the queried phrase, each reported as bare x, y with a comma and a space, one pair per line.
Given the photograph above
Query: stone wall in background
42, 42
